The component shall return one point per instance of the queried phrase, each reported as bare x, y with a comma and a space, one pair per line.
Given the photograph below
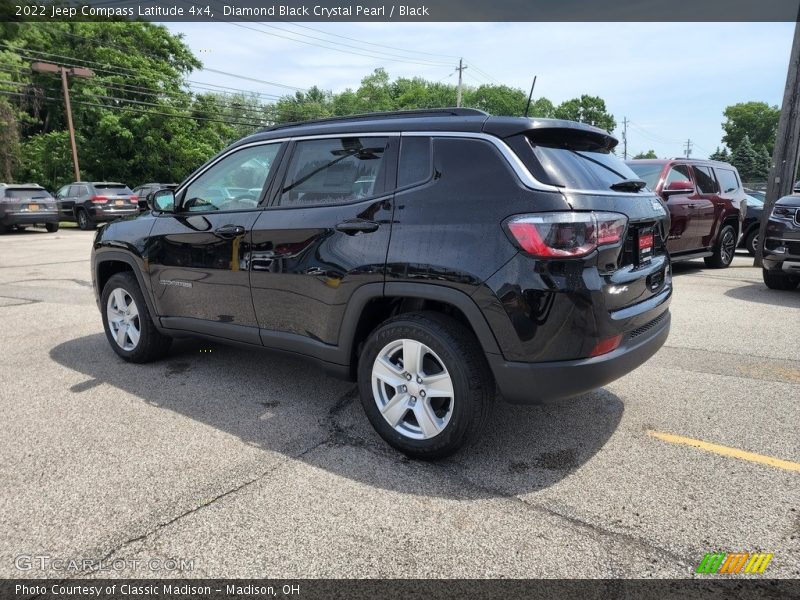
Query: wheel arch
109, 262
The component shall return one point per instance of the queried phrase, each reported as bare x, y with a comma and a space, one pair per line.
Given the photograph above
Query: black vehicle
24, 204
89, 203
752, 221
782, 245
431, 255
144, 191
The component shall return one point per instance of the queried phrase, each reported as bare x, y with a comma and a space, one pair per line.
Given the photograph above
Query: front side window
728, 180
705, 180
234, 183
678, 173
334, 171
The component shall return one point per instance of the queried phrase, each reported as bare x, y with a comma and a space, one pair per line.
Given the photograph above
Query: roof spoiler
556, 133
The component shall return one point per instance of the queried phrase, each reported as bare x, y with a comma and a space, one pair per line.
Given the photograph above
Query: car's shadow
760, 293
282, 404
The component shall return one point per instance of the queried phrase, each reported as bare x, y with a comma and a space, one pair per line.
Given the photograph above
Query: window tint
647, 172
582, 169
333, 171
234, 183
728, 180
83, 191
74, 190
26, 194
678, 173
415, 161
111, 188
705, 180
63, 191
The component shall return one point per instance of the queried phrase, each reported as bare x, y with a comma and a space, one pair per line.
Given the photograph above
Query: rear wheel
751, 243
776, 280
724, 249
51, 227
425, 384
85, 222
127, 322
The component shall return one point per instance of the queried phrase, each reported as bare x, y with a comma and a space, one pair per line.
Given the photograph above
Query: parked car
92, 202
706, 202
752, 221
24, 204
433, 256
143, 192
759, 195
781, 269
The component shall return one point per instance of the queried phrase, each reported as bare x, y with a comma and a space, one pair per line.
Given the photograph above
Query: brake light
567, 234
135, 199
99, 199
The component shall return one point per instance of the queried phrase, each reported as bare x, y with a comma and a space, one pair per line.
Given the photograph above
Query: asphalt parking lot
248, 464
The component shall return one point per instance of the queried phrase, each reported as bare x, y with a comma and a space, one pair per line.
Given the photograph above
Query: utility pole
41, 67
688, 148
460, 68
784, 156
625, 138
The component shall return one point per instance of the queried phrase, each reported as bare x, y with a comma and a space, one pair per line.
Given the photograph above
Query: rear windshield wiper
629, 185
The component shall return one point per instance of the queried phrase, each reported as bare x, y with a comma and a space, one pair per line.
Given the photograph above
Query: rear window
108, 188
26, 194
647, 172
582, 169
727, 179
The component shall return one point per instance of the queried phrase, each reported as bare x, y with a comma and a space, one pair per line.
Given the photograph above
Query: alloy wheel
727, 246
123, 319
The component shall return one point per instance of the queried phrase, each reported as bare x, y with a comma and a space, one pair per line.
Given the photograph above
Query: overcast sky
672, 80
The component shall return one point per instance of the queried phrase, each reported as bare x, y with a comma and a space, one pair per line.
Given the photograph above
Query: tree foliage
756, 120
587, 109
648, 154
720, 155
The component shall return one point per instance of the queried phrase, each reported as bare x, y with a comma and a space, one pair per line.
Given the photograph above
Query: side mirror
162, 200
679, 187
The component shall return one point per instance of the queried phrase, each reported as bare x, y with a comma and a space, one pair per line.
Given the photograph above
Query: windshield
582, 169
647, 172
27, 194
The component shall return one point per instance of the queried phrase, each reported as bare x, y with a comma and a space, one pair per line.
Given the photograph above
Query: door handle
229, 231
691, 205
354, 226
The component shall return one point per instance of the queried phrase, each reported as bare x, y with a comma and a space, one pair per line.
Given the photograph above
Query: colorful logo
734, 562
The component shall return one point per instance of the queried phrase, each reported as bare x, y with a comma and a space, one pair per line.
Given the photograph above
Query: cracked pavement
252, 464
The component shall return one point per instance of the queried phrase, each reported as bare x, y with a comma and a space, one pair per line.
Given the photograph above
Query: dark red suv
707, 205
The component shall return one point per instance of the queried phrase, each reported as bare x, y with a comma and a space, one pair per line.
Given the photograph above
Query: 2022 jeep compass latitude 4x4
433, 256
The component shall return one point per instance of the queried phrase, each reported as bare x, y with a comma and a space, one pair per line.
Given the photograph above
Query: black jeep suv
782, 245
429, 255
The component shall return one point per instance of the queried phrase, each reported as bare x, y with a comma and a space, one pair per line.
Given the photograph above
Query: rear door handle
354, 226
229, 231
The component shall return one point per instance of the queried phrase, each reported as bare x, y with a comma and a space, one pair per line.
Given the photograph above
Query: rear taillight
99, 199
135, 199
567, 234
607, 345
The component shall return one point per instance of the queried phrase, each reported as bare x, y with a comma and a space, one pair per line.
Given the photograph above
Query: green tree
497, 100
757, 120
587, 109
746, 160
720, 155
648, 154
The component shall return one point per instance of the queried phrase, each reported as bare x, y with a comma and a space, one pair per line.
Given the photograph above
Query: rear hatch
581, 162
117, 196
28, 199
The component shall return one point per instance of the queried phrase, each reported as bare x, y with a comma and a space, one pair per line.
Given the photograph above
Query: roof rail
396, 114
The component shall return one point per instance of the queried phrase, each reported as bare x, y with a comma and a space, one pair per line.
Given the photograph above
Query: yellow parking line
778, 463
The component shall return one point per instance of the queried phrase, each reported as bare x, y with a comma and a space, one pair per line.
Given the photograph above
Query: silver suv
24, 204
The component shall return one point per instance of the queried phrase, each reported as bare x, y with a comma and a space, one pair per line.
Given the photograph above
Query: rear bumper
532, 383
29, 218
99, 213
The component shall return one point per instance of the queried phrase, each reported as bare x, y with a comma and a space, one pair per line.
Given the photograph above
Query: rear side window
334, 171
728, 180
705, 180
416, 164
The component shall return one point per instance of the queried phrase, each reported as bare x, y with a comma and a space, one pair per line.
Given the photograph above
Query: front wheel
776, 280
129, 328
724, 249
425, 384
751, 243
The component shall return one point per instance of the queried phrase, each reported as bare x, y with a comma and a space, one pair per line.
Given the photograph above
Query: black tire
151, 344
777, 280
85, 222
724, 249
751, 241
472, 383
51, 227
